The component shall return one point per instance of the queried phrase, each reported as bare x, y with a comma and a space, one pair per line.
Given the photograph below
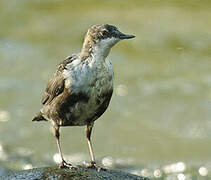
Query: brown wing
54, 87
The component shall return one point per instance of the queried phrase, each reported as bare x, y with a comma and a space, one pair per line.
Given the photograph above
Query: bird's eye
105, 33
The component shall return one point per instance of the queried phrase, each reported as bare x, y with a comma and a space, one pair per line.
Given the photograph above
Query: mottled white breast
80, 75
93, 77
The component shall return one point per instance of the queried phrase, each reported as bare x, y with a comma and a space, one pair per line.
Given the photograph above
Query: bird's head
101, 38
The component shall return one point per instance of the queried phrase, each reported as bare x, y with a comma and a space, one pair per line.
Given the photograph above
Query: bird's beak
125, 36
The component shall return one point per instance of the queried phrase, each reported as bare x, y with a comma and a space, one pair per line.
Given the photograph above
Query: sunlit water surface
158, 123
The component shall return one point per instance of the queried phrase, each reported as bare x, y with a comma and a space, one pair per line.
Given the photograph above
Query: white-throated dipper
81, 88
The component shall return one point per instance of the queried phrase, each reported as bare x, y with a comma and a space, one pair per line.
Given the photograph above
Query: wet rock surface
54, 173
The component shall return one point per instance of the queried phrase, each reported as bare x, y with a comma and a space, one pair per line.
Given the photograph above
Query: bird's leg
63, 164
92, 164
88, 136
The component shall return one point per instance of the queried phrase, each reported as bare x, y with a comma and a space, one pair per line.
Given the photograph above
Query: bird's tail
39, 117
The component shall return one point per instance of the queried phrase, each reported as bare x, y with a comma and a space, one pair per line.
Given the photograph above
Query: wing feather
55, 85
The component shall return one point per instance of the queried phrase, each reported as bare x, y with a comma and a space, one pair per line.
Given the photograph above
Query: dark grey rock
82, 173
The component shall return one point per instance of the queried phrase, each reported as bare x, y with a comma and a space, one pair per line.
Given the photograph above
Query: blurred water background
158, 123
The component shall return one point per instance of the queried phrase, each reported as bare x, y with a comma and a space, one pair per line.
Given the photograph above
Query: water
160, 112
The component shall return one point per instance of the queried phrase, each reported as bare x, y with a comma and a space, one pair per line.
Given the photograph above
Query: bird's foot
93, 165
64, 164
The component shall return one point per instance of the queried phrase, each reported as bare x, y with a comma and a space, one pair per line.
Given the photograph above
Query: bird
80, 90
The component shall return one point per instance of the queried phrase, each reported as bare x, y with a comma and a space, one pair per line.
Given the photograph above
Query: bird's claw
93, 165
64, 164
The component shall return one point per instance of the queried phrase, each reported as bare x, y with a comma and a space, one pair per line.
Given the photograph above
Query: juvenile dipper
81, 88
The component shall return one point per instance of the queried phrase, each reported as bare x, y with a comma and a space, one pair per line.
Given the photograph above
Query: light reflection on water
161, 108
23, 159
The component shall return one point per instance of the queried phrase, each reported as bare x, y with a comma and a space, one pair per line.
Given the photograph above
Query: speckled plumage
81, 88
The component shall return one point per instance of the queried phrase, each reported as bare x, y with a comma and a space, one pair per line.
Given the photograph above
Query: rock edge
81, 173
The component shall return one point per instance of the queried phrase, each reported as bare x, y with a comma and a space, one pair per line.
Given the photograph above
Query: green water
161, 108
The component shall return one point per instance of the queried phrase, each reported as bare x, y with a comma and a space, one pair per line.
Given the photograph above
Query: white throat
103, 47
